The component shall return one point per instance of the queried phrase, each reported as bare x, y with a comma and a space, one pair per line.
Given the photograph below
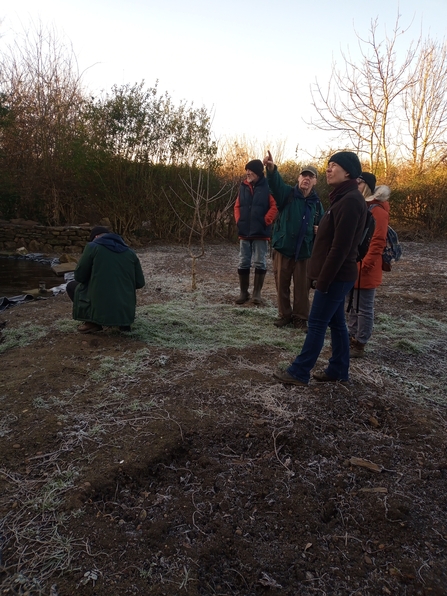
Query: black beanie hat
349, 162
370, 180
96, 231
256, 166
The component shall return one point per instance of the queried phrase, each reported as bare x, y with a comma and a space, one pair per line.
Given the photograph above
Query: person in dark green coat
294, 230
106, 277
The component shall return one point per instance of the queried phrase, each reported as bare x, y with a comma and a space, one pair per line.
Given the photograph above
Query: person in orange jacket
254, 211
361, 314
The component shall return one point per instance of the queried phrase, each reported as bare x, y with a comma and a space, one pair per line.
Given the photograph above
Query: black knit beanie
349, 162
370, 180
96, 231
256, 166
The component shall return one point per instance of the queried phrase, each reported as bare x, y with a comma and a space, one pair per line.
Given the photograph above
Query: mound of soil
196, 473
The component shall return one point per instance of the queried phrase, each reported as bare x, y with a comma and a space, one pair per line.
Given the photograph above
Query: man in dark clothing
106, 277
300, 211
333, 269
254, 212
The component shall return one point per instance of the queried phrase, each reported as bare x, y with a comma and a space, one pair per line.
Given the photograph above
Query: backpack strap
351, 298
351, 294
317, 216
371, 207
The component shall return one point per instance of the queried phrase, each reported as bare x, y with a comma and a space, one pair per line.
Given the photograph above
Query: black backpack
365, 240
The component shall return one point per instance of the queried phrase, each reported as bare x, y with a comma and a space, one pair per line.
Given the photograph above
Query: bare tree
200, 201
41, 97
361, 100
425, 105
235, 152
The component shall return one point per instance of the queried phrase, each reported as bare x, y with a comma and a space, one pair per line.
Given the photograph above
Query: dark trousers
328, 310
70, 289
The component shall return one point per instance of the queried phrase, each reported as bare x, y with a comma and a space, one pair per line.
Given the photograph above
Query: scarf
342, 189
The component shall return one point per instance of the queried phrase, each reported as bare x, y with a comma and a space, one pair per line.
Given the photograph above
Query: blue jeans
255, 250
361, 323
328, 310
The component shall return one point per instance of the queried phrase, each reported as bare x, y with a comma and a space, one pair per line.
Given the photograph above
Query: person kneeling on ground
106, 277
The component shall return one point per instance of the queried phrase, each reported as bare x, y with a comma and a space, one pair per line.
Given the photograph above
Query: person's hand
268, 162
315, 229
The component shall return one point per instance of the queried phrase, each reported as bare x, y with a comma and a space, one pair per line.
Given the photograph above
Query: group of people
311, 248
315, 249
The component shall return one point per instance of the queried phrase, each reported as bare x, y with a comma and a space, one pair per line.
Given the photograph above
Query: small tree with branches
206, 208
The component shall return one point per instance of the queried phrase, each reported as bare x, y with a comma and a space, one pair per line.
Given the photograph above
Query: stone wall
36, 238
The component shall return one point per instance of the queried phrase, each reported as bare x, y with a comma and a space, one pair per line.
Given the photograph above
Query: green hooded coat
109, 272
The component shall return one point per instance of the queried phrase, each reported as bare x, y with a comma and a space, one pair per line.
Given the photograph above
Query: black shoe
125, 328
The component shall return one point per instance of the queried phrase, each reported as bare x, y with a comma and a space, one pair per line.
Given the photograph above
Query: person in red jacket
361, 314
254, 211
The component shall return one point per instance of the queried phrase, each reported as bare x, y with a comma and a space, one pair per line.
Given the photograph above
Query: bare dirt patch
168, 461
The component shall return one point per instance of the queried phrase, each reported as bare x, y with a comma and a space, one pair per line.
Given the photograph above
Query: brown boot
89, 327
357, 349
282, 321
299, 323
244, 282
257, 285
322, 377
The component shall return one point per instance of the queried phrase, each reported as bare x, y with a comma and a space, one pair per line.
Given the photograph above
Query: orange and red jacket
255, 210
370, 269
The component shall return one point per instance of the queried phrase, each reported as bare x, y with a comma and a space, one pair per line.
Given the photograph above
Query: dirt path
168, 461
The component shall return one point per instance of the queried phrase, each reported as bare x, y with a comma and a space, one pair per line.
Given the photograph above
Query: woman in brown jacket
361, 315
333, 269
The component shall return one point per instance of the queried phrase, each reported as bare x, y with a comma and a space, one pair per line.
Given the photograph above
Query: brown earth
193, 472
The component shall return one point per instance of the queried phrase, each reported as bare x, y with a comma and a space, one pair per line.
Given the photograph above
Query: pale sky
250, 63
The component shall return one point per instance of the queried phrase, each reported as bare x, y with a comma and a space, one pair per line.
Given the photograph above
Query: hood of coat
111, 241
381, 194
